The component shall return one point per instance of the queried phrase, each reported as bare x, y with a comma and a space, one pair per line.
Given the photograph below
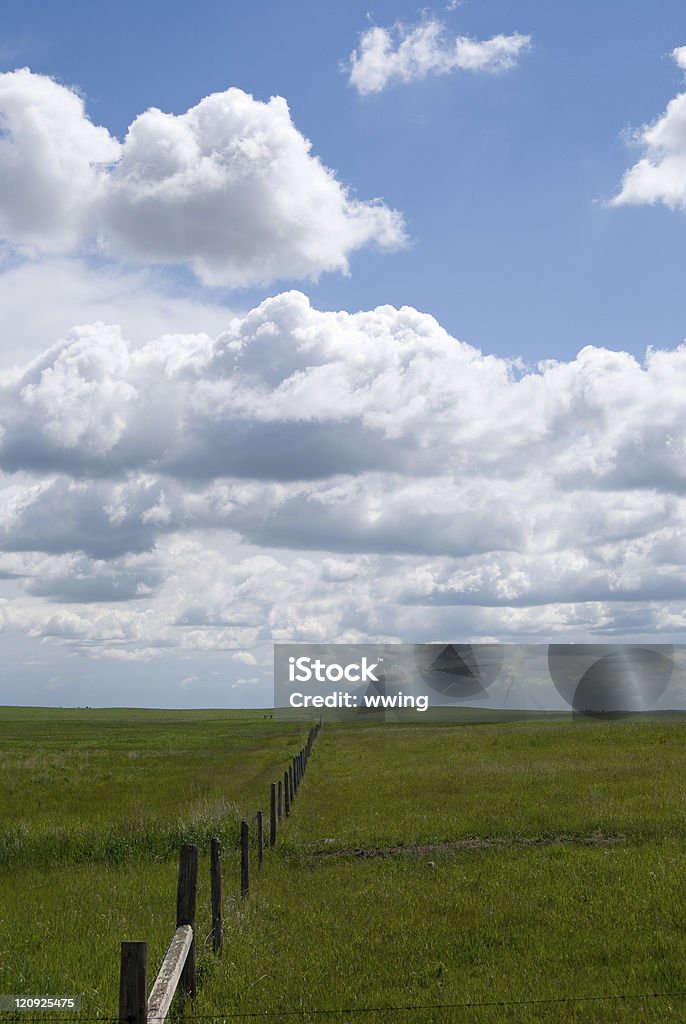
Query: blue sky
501, 179
486, 495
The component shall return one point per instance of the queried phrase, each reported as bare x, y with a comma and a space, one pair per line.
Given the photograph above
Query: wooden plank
133, 996
169, 974
216, 891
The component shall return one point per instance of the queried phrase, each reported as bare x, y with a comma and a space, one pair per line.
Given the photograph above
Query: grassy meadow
519, 862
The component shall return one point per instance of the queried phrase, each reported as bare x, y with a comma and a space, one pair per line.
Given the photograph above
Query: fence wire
348, 1011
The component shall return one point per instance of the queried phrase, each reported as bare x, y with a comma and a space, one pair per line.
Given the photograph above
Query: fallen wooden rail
135, 1007
178, 967
168, 977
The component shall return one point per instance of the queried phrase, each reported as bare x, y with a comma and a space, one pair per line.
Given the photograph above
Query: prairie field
511, 870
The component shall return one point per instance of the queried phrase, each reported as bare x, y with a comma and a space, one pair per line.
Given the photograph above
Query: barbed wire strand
233, 1014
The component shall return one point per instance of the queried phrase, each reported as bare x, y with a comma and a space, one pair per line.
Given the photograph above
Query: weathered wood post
286, 795
272, 815
260, 839
133, 983
216, 887
169, 974
186, 897
291, 791
245, 860
279, 805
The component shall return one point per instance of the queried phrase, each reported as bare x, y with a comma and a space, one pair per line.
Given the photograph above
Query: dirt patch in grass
470, 843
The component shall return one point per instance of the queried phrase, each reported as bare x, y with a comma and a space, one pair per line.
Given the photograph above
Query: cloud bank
335, 476
660, 175
229, 188
407, 54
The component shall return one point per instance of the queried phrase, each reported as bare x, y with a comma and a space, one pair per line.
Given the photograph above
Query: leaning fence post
260, 838
216, 887
245, 859
186, 896
133, 983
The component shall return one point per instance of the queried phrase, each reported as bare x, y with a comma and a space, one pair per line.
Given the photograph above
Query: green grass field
422, 866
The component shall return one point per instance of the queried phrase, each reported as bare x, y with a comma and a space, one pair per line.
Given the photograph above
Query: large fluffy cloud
334, 476
230, 187
407, 53
52, 163
660, 174
289, 394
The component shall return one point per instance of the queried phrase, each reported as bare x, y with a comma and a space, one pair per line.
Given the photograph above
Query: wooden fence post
133, 983
279, 806
260, 839
286, 795
272, 815
169, 974
245, 860
291, 791
216, 887
186, 896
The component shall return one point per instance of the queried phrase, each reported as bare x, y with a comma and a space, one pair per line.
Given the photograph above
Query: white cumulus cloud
660, 174
229, 188
53, 163
331, 476
405, 54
